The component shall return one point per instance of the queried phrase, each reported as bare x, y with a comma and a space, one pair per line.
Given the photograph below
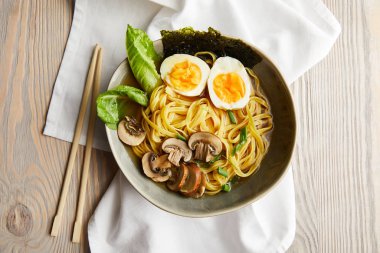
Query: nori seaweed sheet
189, 41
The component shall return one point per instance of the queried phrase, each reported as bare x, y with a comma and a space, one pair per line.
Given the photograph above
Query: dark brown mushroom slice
206, 146
156, 167
130, 131
193, 180
178, 178
177, 150
201, 189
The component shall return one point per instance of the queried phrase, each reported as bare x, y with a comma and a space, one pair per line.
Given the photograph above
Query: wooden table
336, 161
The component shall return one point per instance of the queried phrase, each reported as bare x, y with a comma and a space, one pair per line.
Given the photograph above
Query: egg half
186, 74
229, 85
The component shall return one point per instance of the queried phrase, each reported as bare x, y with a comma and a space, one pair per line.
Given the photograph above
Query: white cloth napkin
95, 21
296, 34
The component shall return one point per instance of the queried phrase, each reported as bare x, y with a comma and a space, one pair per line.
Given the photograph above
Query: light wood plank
32, 166
334, 160
373, 22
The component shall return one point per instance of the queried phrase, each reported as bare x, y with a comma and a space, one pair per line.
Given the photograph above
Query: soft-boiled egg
186, 74
229, 85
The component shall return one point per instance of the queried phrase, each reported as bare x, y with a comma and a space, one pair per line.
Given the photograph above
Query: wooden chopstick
86, 165
74, 147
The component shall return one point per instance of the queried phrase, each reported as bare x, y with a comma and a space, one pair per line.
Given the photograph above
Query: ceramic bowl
272, 168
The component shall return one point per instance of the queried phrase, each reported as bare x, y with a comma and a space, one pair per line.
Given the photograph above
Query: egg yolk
229, 87
185, 76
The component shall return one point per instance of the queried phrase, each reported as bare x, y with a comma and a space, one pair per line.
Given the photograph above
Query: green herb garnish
178, 136
202, 164
235, 179
242, 141
226, 187
216, 158
222, 172
232, 116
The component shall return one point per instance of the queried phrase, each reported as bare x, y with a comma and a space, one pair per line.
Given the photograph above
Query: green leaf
112, 126
142, 58
112, 105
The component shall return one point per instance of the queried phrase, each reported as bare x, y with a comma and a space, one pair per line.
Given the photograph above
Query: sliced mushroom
206, 145
156, 167
193, 181
201, 189
177, 150
130, 131
178, 178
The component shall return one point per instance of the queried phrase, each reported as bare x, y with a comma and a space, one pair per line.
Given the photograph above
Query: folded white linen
125, 222
296, 34
95, 21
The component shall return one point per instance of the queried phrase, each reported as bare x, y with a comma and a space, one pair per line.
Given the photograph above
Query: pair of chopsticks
92, 83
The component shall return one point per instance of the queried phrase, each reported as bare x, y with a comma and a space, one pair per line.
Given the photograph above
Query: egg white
168, 64
224, 65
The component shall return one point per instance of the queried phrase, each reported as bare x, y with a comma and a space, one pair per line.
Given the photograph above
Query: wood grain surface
336, 162
32, 166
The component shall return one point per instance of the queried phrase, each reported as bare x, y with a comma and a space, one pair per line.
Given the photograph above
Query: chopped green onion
226, 187
243, 135
216, 158
242, 141
181, 137
232, 116
235, 179
222, 172
235, 149
202, 164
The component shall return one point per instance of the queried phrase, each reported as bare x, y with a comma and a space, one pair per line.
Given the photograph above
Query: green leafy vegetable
111, 105
222, 172
189, 41
232, 116
142, 58
242, 141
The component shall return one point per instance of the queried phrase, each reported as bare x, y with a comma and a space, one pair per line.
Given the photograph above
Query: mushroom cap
128, 137
177, 149
156, 167
206, 138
